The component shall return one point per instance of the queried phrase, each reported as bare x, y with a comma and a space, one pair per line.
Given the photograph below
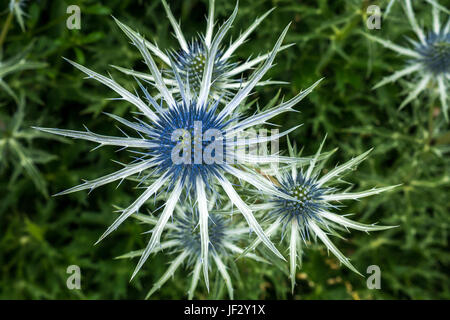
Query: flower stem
430, 122
5, 28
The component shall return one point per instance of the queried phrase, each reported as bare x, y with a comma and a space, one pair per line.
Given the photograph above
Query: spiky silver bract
428, 59
198, 180
310, 214
226, 75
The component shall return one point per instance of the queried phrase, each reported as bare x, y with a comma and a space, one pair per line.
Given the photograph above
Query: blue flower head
306, 203
180, 133
436, 53
191, 64
188, 234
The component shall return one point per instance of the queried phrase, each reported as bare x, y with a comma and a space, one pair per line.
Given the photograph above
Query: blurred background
41, 235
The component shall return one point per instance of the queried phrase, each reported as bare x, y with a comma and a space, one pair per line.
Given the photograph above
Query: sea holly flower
178, 126
309, 216
428, 58
183, 240
190, 59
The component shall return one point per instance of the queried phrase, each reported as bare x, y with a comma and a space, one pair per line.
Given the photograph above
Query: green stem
443, 139
430, 122
5, 28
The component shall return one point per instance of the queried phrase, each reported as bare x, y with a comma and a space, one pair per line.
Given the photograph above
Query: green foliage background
41, 235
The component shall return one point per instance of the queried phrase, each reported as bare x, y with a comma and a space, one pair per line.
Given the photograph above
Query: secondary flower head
191, 58
428, 58
306, 204
309, 215
183, 240
191, 64
173, 154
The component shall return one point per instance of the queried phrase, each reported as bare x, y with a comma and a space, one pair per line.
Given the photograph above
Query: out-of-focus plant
17, 151
16, 148
16, 8
16, 64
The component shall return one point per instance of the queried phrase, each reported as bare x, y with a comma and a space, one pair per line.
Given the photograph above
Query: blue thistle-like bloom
188, 235
428, 59
308, 214
191, 64
184, 240
308, 204
227, 75
179, 127
436, 53
194, 123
